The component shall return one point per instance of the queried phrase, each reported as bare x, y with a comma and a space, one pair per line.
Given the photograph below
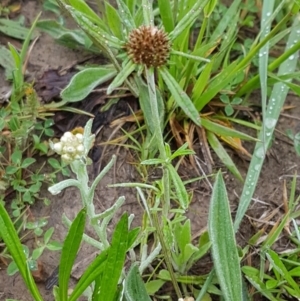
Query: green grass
210, 66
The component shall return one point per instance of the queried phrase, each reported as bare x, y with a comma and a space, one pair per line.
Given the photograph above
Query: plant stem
155, 114
87, 197
167, 255
166, 181
159, 137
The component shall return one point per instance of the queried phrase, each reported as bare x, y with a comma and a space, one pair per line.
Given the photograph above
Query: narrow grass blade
224, 250
263, 58
126, 17
206, 285
83, 83
252, 275
202, 80
12, 242
115, 260
223, 155
147, 12
274, 234
121, 77
216, 84
188, 19
230, 13
254, 82
276, 102
180, 96
25, 45
221, 130
181, 192
135, 287
282, 270
69, 252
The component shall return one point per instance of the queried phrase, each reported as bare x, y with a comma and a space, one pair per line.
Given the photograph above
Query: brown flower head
148, 45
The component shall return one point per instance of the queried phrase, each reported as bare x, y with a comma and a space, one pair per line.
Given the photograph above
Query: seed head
148, 45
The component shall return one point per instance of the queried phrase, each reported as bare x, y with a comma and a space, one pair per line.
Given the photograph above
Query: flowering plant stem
166, 179
79, 167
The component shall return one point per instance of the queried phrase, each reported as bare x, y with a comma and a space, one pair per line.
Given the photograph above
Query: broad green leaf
12, 269
166, 14
54, 246
113, 20
54, 163
27, 162
153, 286
17, 72
48, 235
182, 234
93, 271
224, 249
14, 29
70, 38
36, 253
10, 170
10, 237
181, 98
6, 61
134, 286
115, 260
69, 252
82, 84
295, 272
223, 155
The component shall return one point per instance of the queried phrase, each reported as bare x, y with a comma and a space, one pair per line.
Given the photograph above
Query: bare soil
280, 164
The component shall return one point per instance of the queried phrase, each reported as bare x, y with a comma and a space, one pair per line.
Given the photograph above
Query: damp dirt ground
281, 163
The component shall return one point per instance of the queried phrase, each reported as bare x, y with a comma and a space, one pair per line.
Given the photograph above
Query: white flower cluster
70, 147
